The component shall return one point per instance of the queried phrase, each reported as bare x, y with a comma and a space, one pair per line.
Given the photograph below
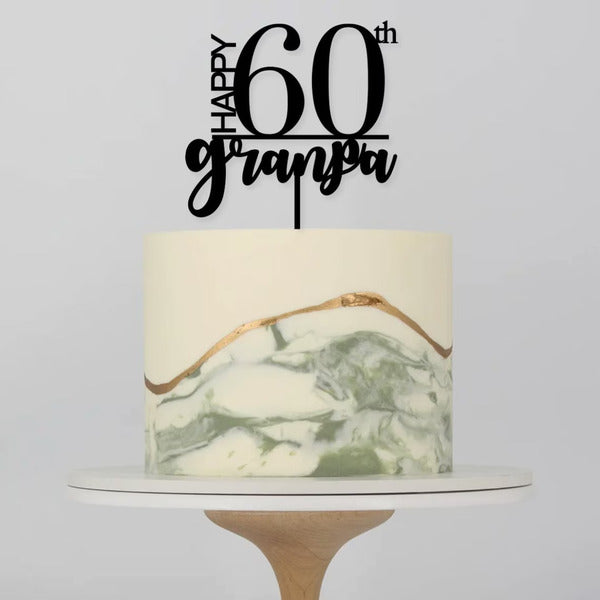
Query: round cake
298, 353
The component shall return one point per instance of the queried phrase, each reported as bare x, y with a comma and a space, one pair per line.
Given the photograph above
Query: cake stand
300, 523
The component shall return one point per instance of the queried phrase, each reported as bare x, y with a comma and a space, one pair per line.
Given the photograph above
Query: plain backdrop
500, 148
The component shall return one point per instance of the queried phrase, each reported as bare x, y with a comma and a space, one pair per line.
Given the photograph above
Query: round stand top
464, 486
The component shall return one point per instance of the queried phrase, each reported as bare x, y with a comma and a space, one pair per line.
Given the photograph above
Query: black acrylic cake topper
231, 107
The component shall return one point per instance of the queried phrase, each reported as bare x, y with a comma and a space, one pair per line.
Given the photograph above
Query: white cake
298, 353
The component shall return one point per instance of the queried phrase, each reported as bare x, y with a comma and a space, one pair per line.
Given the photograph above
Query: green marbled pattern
377, 407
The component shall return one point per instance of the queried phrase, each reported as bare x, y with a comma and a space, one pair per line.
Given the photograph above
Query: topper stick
296, 201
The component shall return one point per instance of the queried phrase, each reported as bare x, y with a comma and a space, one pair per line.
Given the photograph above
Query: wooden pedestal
299, 545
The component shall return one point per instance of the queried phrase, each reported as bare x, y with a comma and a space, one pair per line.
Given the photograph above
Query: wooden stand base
299, 545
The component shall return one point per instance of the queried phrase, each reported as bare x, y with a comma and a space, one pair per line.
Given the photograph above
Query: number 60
320, 81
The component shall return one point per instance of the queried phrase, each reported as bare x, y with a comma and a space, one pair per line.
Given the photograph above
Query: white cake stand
300, 523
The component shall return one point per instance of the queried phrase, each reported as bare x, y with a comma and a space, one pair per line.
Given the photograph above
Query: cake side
348, 385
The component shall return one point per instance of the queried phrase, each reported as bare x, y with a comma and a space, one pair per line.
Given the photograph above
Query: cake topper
234, 134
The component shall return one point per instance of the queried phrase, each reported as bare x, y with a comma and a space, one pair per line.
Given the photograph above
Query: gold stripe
343, 301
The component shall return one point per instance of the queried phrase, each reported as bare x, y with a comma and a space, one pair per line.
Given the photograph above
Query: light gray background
500, 149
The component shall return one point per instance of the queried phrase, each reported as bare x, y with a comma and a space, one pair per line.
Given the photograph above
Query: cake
298, 353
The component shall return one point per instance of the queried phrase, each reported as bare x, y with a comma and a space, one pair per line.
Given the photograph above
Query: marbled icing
353, 392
